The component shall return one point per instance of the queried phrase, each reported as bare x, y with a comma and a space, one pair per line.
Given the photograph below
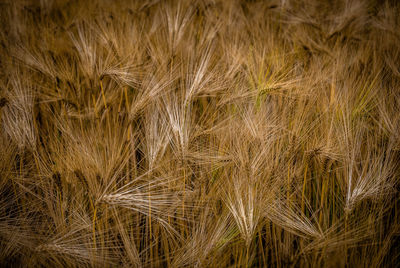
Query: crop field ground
205, 133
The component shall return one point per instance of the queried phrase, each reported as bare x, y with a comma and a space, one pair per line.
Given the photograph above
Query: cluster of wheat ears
203, 133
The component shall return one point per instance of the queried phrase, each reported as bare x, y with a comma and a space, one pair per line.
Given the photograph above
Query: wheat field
203, 133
